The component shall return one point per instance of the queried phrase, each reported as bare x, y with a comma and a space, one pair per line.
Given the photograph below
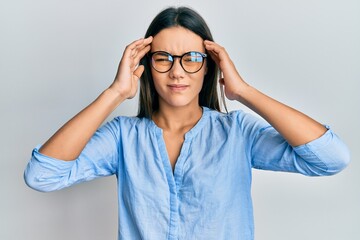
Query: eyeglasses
191, 62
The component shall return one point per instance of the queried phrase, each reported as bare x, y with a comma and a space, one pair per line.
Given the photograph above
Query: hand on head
129, 71
231, 79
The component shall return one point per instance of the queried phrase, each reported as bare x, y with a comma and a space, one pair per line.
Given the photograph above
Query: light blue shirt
209, 194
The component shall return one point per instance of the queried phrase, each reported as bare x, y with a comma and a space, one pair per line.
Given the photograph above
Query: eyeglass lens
191, 62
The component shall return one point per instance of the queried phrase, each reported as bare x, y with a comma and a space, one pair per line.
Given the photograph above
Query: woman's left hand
294, 126
231, 79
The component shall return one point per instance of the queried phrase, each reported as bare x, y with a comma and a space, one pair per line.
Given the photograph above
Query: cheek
154, 75
198, 82
158, 79
202, 74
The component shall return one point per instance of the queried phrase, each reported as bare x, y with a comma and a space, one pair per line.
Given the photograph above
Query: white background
57, 56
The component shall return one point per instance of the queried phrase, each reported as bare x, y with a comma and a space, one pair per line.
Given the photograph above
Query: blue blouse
208, 196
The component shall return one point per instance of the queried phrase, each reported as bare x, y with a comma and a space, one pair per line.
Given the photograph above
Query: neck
177, 118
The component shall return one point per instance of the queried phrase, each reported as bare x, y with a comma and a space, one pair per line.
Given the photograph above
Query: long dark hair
191, 20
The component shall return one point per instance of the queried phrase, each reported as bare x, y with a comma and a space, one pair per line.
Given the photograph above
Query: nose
177, 70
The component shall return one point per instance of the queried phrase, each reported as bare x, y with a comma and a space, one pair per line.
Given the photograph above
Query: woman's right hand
68, 142
129, 70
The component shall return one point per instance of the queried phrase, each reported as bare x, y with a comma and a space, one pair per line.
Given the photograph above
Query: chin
180, 102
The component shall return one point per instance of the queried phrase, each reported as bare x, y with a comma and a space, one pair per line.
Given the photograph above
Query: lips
178, 87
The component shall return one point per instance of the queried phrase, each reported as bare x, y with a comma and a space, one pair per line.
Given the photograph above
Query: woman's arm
294, 126
68, 142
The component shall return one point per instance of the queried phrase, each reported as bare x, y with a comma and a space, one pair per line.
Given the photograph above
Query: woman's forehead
177, 40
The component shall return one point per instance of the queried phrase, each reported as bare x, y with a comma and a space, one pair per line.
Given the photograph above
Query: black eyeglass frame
203, 55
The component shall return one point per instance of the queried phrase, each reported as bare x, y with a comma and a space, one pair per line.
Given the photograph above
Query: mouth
178, 87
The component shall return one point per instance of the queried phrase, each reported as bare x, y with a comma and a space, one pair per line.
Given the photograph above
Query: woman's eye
162, 60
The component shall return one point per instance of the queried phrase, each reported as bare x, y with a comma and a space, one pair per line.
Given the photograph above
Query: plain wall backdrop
58, 56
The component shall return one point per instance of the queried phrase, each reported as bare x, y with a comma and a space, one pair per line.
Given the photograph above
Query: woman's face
177, 88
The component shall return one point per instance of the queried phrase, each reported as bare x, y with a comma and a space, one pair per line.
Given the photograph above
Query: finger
208, 42
129, 50
141, 53
139, 71
214, 57
135, 60
210, 46
218, 53
138, 46
136, 43
214, 47
148, 40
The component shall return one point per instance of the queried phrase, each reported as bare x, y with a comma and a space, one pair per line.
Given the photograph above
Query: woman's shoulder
238, 118
131, 121
231, 115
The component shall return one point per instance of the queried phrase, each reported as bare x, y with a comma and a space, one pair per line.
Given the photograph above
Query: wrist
243, 91
116, 91
114, 96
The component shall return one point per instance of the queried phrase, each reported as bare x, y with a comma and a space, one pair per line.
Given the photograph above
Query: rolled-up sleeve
326, 155
98, 158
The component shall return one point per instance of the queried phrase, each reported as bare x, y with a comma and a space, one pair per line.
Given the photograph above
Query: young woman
183, 167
